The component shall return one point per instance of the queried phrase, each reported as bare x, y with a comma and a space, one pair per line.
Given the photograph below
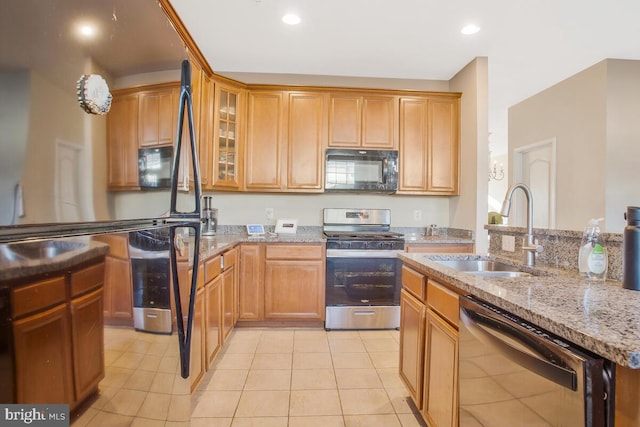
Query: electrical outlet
509, 243
417, 214
268, 213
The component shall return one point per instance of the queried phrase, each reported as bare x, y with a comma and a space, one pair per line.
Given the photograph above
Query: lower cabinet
251, 296
429, 347
412, 338
282, 282
118, 287
43, 357
87, 336
230, 291
440, 407
58, 337
294, 282
215, 311
213, 327
197, 364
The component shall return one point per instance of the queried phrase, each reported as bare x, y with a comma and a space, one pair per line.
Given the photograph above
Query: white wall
623, 141
244, 208
574, 112
469, 210
14, 122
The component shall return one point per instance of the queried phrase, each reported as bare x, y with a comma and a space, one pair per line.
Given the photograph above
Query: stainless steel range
363, 270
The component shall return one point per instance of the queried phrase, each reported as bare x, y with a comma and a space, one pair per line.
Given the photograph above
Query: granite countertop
601, 317
211, 246
18, 260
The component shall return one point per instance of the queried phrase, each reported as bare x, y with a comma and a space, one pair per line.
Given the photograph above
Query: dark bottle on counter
631, 249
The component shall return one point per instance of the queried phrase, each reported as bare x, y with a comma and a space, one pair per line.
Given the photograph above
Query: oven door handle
368, 253
476, 324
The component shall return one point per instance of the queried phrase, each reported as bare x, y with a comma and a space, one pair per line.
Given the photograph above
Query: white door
536, 167
67, 182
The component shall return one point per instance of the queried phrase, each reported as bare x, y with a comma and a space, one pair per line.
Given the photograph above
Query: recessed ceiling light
291, 19
86, 30
470, 29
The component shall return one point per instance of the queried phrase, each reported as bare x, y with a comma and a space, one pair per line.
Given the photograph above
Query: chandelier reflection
495, 173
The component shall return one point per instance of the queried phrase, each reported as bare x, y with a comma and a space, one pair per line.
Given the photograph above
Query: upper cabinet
158, 112
429, 145
286, 137
363, 121
226, 165
265, 140
122, 142
306, 141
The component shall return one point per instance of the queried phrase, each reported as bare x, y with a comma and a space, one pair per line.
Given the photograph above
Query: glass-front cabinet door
227, 137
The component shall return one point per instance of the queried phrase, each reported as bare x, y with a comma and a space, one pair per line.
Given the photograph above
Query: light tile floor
262, 377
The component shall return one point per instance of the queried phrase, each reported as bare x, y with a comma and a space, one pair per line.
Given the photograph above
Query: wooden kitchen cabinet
118, 285
230, 283
294, 286
158, 112
429, 347
226, 162
58, 337
429, 145
213, 309
265, 141
362, 121
43, 357
197, 359
440, 407
440, 394
306, 141
87, 337
412, 343
251, 277
122, 142
281, 282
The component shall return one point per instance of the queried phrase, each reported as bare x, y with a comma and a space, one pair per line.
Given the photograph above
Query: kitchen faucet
529, 246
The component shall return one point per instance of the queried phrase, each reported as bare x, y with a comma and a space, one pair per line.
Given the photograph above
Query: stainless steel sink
38, 250
484, 268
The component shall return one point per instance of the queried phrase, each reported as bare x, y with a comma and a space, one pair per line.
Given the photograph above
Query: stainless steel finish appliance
513, 373
154, 167
209, 218
363, 270
151, 277
361, 170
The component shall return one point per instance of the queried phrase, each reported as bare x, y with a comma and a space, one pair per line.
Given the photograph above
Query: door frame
518, 156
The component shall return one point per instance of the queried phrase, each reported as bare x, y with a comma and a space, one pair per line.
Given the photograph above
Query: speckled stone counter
599, 316
72, 251
214, 245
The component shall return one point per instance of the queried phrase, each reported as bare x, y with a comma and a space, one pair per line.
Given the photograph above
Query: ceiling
530, 45
132, 37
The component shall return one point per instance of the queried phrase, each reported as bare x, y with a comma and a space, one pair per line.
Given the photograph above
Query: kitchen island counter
602, 317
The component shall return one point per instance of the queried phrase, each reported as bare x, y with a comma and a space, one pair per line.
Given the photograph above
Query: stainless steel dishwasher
514, 374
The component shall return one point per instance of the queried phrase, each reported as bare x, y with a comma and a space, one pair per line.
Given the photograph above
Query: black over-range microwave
361, 170
154, 167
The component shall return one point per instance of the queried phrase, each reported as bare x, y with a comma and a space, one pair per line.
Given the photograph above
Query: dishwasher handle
474, 322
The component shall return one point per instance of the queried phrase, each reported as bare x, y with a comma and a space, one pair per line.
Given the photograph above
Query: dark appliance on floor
514, 373
363, 272
151, 277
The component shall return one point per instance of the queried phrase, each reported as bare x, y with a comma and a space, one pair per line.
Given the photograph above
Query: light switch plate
509, 243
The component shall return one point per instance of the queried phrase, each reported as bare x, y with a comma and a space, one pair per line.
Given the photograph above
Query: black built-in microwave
154, 167
361, 170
